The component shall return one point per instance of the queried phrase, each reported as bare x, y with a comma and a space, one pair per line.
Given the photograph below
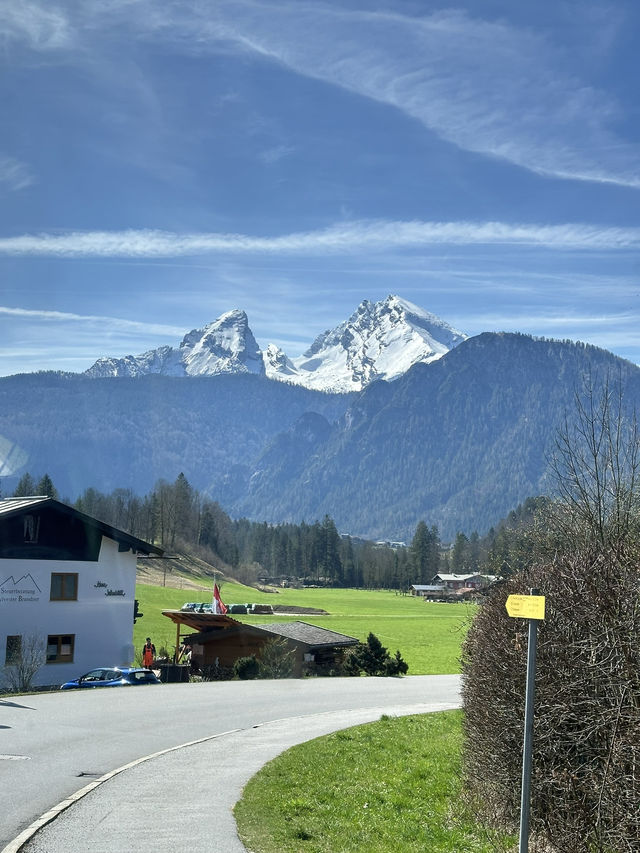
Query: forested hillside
130, 432
457, 443
181, 520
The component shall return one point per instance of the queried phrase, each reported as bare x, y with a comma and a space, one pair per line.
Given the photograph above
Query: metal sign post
529, 607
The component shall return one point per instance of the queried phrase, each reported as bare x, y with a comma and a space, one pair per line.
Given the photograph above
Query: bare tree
596, 463
24, 661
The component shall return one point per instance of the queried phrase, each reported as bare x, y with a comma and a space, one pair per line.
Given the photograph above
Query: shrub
586, 748
396, 665
246, 668
215, 672
276, 659
372, 658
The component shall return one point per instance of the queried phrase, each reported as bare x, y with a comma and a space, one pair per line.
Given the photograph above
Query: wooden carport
221, 640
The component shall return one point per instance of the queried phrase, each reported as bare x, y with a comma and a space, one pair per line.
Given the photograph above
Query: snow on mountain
381, 340
278, 365
225, 346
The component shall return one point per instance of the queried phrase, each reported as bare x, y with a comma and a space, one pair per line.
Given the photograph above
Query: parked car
111, 676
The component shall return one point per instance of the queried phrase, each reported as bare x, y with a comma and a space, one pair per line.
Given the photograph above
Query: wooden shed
217, 639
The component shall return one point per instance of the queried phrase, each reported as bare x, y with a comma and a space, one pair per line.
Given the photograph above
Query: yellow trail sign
526, 606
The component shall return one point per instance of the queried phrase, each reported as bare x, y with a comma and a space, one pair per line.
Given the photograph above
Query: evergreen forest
181, 520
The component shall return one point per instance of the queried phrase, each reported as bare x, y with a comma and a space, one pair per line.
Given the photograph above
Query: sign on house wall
23, 590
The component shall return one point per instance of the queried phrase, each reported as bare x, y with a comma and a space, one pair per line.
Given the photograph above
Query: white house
67, 587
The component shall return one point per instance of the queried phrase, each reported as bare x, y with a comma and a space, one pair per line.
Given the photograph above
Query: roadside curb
364, 715
27, 834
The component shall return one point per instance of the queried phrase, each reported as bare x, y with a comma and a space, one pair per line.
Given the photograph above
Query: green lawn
387, 786
428, 635
379, 788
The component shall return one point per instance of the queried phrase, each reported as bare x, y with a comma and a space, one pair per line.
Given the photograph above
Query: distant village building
427, 590
471, 581
452, 587
67, 588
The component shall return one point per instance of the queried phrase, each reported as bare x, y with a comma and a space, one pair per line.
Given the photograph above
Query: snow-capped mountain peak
381, 340
277, 364
225, 346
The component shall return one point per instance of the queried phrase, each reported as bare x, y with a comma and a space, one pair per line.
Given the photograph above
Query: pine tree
26, 487
460, 554
434, 552
185, 510
332, 564
420, 553
45, 487
373, 656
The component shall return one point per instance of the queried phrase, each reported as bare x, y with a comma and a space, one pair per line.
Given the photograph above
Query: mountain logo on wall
25, 585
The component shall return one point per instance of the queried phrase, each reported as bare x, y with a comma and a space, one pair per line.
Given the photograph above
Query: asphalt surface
177, 794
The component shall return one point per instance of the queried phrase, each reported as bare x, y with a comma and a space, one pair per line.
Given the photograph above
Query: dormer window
31, 525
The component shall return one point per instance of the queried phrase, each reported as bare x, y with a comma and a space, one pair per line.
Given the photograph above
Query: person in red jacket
148, 653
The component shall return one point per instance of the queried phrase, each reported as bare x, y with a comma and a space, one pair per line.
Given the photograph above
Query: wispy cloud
42, 27
528, 321
275, 153
349, 237
108, 324
14, 175
486, 86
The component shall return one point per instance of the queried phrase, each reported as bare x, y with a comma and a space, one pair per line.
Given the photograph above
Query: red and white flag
218, 606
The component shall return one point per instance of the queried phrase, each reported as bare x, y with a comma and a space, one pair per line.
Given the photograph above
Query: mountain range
458, 438
380, 340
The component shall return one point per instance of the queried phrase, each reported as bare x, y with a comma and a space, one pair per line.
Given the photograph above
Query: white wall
102, 623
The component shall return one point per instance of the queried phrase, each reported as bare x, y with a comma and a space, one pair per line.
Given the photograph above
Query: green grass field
379, 788
428, 635
387, 786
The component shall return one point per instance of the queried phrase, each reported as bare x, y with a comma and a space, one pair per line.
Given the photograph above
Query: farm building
427, 590
468, 581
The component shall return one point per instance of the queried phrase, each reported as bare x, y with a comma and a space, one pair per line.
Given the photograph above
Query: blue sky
164, 162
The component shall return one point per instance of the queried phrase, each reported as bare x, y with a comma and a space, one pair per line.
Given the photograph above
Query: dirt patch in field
181, 571
178, 571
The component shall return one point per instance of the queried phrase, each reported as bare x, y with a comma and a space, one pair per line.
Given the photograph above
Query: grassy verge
428, 635
386, 786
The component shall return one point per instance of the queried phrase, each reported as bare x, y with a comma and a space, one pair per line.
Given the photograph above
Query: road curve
52, 745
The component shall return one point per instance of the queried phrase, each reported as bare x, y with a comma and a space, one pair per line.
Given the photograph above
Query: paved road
52, 745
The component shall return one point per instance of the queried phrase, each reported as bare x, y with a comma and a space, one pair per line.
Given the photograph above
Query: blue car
111, 676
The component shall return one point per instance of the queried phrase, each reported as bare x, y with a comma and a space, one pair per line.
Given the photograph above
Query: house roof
448, 577
16, 506
427, 587
200, 621
298, 632
310, 635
